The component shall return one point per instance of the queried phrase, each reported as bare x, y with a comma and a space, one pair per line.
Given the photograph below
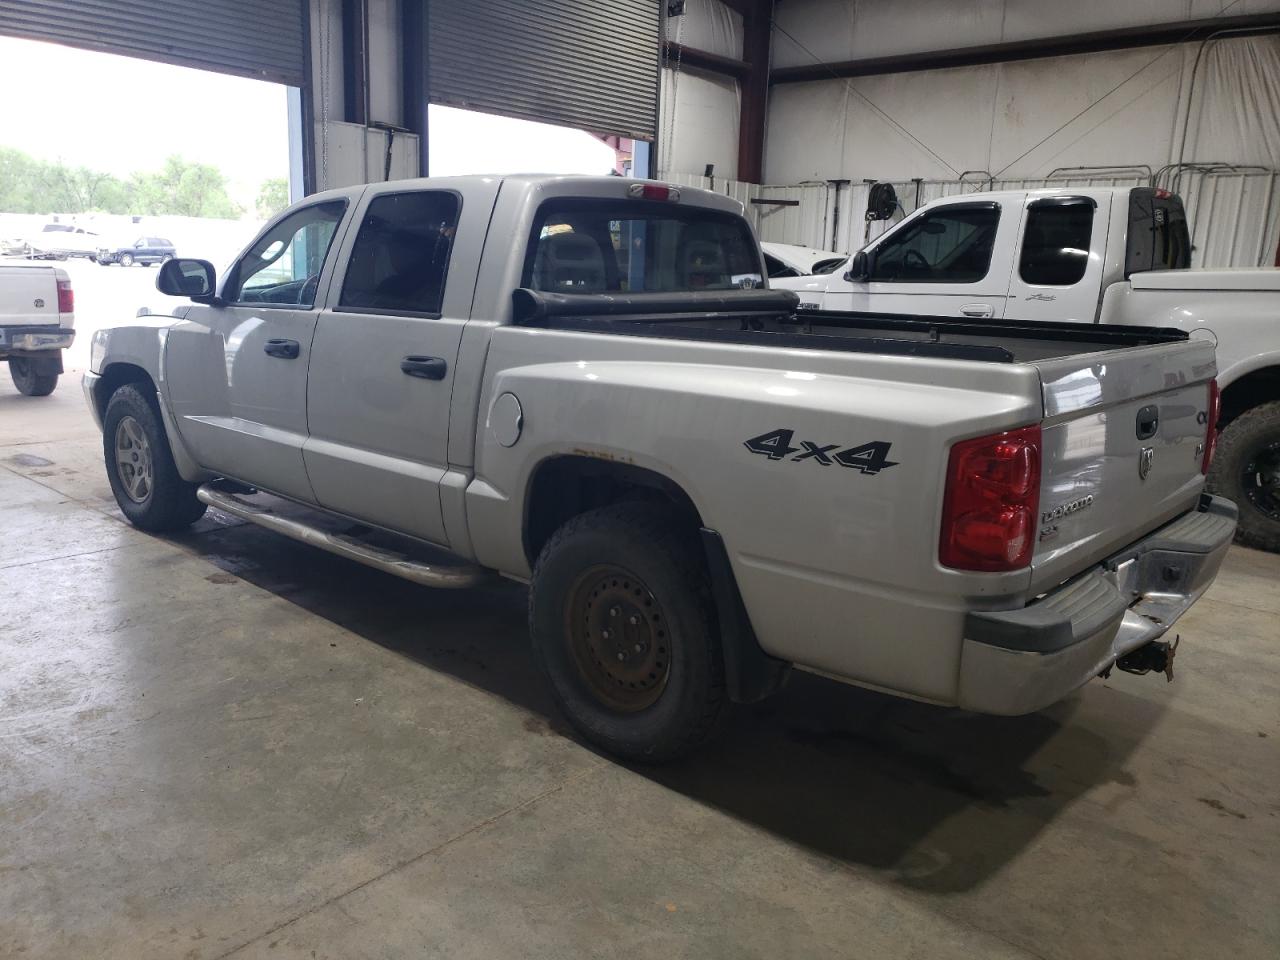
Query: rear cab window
1158, 237
636, 246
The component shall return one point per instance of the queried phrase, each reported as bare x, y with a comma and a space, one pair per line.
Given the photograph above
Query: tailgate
28, 296
1123, 439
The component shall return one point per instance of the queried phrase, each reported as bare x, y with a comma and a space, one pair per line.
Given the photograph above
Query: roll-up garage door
244, 37
592, 65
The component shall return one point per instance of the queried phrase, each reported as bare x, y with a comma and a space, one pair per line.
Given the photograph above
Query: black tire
125, 259
636, 553
28, 381
166, 502
1246, 469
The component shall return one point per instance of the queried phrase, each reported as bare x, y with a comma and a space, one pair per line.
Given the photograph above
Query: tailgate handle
1148, 422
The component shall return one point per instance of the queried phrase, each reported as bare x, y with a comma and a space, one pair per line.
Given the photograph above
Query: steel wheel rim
133, 460
1260, 480
618, 638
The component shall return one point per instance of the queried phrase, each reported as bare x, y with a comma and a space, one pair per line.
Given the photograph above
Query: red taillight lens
66, 297
992, 495
1211, 426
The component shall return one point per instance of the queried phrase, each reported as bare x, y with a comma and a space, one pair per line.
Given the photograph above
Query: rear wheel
1246, 469
623, 626
126, 260
140, 466
30, 378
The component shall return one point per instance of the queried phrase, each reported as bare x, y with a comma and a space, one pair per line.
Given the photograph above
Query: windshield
635, 246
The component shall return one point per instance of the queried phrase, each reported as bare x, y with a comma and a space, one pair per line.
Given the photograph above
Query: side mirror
188, 278
860, 267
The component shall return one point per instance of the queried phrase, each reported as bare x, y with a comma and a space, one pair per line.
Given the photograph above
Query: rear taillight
66, 297
989, 507
1211, 426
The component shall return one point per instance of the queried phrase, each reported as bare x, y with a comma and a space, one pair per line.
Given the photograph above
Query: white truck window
599, 246
952, 244
1055, 243
401, 254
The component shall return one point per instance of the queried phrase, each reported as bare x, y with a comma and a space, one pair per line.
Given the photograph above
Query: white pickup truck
1116, 255
37, 322
580, 383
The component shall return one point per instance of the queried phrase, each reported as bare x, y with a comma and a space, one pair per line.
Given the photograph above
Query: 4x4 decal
869, 458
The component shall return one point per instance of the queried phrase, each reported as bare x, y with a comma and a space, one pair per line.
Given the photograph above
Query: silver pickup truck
583, 383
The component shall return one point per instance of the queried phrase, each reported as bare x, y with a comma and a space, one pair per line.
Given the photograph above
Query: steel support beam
413, 38
704, 60
1147, 36
757, 28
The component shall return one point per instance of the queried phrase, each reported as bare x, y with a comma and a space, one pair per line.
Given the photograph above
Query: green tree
273, 196
183, 188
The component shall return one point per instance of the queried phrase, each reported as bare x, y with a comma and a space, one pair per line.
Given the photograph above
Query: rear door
1059, 260
383, 362
237, 372
950, 260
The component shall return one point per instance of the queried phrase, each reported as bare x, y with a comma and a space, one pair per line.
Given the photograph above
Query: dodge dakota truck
37, 322
583, 384
1109, 255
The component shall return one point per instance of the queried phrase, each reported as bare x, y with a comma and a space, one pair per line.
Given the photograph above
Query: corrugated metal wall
1235, 216
571, 62
248, 39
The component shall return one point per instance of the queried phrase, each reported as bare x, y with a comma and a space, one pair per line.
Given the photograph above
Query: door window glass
401, 254
1055, 246
950, 245
778, 269
284, 263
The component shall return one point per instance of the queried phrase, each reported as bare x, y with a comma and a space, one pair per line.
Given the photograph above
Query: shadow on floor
936, 799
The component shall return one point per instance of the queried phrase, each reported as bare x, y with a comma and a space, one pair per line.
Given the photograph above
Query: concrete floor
224, 744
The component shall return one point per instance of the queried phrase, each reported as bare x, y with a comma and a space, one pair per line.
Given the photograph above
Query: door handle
977, 310
425, 368
284, 349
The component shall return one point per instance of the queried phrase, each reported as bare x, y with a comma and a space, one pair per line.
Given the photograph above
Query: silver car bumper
1018, 661
89, 384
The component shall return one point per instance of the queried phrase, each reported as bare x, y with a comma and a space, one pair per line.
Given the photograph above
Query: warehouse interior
221, 742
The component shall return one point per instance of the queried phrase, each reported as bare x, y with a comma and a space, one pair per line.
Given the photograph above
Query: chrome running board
445, 577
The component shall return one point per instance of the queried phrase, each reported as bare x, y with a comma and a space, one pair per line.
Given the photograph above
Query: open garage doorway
113, 163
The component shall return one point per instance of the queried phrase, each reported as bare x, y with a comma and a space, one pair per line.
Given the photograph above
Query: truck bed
771, 318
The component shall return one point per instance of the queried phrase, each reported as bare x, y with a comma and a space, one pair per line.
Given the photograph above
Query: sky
120, 114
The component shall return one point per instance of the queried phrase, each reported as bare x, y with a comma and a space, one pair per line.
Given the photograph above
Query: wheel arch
1251, 390
564, 486
117, 375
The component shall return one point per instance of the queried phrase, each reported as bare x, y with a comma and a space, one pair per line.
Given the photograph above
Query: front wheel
125, 260
1246, 469
140, 466
624, 628
30, 377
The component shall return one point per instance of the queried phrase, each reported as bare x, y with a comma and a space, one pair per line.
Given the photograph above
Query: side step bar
429, 575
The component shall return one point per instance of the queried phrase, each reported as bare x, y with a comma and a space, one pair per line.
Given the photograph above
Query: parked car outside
58, 241
14, 246
144, 250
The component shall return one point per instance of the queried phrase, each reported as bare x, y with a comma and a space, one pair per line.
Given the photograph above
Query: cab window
950, 245
283, 265
1055, 244
638, 246
401, 254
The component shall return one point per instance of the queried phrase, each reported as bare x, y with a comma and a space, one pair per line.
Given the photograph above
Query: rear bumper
21, 340
1018, 661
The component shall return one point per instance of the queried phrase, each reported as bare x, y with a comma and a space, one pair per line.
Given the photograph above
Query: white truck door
236, 374
383, 363
950, 260
1060, 258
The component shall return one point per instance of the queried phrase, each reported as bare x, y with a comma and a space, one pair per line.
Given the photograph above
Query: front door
237, 372
952, 260
383, 362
